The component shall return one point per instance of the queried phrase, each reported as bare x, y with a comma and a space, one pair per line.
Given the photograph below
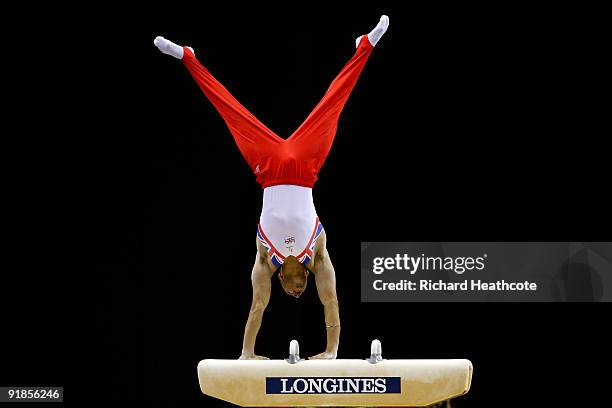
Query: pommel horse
332, 383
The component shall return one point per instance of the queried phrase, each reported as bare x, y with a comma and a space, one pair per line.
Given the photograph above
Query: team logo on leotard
290, 240
257, 169
277, 258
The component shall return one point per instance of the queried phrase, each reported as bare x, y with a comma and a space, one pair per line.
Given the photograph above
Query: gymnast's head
293, 277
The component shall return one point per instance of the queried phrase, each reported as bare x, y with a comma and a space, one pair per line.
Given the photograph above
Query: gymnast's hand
252, 357
326, 355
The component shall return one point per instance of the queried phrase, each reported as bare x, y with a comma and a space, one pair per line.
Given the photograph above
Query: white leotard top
288, 224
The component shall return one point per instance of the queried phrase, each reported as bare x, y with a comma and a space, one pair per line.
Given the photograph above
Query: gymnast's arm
261, 281
325, 278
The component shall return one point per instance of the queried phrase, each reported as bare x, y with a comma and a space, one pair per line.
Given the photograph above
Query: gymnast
290, 237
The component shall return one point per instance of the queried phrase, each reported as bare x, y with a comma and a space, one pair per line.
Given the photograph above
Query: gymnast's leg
252, 137
313, 139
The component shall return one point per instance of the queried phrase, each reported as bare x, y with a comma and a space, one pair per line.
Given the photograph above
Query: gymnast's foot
170, 48
377, 32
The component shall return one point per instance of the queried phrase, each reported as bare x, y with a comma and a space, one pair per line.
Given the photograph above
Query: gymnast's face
293, 277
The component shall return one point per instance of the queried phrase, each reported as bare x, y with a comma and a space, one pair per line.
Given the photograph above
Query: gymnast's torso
288, 225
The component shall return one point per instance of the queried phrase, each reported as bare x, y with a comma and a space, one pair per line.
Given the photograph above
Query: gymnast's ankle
170, 48
375, 35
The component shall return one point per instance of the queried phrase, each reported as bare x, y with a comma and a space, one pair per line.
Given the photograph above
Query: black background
468, 123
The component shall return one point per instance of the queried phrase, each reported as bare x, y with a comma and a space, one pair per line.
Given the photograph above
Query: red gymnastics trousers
274, 160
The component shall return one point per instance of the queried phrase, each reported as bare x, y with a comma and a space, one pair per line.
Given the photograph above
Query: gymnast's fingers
252, 357
323, 356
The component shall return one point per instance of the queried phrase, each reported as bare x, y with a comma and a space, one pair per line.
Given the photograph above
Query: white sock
169, 48
377, 32
357, 41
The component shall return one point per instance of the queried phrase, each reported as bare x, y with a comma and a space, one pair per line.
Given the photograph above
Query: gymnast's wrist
332, 350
